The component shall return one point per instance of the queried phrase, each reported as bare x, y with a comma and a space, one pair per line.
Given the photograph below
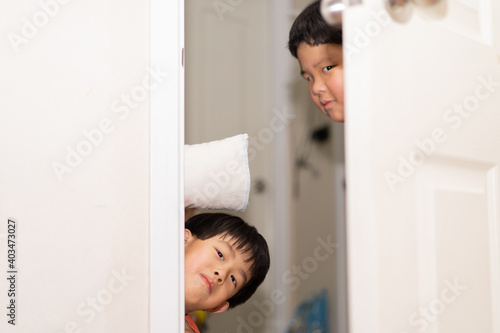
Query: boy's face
214, 272
322, 67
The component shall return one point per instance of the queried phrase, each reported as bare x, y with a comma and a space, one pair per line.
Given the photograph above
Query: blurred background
241, 78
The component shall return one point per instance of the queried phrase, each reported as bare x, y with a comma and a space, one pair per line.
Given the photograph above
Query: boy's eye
327, 68
233, 279
220, 254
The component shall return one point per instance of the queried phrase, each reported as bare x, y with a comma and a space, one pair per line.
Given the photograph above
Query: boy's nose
219, 276
318, 86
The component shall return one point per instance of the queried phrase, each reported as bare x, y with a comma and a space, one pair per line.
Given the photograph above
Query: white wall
317, 206
317, 211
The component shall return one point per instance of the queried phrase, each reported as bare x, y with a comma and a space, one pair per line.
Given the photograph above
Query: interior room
241, 78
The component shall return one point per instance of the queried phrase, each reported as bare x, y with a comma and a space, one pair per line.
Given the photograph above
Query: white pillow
217, 175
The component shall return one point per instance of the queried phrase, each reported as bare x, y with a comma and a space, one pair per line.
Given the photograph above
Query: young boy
225, 261
318, 48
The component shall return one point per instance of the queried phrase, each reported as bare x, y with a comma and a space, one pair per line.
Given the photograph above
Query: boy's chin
198, 307
337, 119
336, 115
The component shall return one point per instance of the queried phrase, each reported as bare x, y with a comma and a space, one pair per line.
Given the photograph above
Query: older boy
318, 48
225, 261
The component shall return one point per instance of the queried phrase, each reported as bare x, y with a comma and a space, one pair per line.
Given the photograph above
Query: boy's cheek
339, 84
315, 100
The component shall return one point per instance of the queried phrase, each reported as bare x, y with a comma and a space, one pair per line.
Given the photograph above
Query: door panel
456, 230
422, 137
74, 175
471, 19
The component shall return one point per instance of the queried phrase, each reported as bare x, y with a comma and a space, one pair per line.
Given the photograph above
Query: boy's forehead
232, 241
234, 245
316, 53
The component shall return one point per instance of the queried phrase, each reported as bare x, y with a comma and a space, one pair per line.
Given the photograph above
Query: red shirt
191, 324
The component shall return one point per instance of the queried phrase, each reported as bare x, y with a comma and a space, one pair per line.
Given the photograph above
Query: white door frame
167, 174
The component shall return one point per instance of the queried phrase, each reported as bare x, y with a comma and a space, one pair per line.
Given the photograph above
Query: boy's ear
221, 308
187, 235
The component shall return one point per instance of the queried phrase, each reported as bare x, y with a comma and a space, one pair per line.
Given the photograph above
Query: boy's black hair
310, 27
245, 237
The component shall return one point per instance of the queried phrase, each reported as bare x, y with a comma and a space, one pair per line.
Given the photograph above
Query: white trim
361, 228
282, 169
167, 174
492, 192
339, 322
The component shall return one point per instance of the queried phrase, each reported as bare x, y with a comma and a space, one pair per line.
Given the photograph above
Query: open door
91, 179
422, 166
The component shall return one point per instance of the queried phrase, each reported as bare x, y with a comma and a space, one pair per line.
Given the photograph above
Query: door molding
166, 169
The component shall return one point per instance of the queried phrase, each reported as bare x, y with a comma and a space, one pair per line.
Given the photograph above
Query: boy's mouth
326, 104
208, 283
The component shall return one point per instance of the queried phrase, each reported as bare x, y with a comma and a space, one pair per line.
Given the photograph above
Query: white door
91, 166
423, 158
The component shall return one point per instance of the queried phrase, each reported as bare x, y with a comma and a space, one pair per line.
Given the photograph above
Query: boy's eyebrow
242, 272
233, 252
329, 59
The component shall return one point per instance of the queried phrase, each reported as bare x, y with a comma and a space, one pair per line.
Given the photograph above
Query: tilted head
226, 260
318, 48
